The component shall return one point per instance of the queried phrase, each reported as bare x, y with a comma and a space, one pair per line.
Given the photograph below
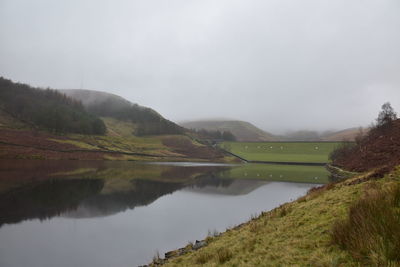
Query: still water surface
102, 216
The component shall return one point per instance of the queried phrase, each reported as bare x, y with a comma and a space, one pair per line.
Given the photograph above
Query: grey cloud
281, 64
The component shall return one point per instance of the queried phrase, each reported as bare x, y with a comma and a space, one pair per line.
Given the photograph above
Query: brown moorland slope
380, 147
34, 144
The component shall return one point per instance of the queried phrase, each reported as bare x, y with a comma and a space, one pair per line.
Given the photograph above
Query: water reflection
218, 186
44, 189
143, 193
46, 199
73, 213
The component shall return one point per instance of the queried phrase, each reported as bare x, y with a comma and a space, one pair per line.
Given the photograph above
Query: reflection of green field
283, 151
283, 173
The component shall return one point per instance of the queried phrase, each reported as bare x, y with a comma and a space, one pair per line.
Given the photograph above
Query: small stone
199, 244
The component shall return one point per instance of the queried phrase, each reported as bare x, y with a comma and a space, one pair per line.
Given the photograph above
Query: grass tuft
371, 233
224, 255
203, 258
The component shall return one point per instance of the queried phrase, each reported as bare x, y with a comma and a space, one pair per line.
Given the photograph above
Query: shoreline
295, 233
198, 244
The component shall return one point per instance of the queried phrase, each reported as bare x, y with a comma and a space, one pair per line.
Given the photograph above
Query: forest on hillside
47, 109
148, 121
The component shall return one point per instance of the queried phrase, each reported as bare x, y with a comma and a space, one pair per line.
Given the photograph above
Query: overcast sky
282, 65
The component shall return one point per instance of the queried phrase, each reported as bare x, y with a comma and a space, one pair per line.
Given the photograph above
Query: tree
386, 116
228, 136
47, 109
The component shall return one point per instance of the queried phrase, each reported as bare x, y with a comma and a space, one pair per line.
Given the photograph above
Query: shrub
343, 150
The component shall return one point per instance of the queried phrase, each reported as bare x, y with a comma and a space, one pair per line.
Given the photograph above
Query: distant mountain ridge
146, 120
242, 130
349, 134
345, 135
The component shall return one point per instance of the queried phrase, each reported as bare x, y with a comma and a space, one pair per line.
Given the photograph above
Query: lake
74, 213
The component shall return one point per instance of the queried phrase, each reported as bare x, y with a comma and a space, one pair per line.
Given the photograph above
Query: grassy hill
329, 136
303, 135
346, 134
81, 124
243, 131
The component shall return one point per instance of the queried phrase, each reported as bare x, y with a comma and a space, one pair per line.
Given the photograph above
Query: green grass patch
317, 152
119, 128
78, 144
150, 145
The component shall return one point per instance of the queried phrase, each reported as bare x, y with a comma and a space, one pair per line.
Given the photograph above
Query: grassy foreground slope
298, 233
316, 152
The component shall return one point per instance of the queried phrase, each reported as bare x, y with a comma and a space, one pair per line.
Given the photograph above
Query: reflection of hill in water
81, 198
232, 187
46, 199
115, 187
143, 193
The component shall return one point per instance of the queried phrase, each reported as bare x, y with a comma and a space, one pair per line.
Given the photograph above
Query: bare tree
386, 116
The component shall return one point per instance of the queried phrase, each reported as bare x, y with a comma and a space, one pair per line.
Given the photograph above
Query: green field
308, 152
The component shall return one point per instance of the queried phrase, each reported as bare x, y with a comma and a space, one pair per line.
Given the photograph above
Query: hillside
303, 135
44, 109
47, 124
330, 136
243, 131
145, 120
346, 134
380, 147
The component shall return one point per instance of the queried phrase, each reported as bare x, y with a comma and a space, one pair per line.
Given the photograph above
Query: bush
343, 150
371, 233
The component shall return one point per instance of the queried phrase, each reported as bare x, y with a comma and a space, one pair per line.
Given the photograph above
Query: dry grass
224, 255
371, 233
203, 257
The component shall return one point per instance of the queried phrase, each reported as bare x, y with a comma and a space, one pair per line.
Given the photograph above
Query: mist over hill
242, 130
45, 109
147, 121
328, 136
